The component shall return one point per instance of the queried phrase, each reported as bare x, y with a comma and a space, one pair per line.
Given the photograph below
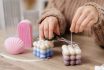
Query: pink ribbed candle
14, 45
25, 33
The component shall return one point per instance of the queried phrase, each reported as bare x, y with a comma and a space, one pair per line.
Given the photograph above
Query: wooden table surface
92, 55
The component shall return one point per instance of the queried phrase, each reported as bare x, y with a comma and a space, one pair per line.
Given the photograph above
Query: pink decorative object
14, 45
25, 33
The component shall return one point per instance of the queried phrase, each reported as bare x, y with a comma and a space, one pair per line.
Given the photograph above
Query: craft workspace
51, 35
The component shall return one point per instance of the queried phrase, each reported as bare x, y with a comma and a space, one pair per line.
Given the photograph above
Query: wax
24, 29
71, 54
72, 62
78, 62
66, 58
43, 49
66, 63
14, 45
72, 57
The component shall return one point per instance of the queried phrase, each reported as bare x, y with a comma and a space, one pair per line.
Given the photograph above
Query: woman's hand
84, 18
48, 27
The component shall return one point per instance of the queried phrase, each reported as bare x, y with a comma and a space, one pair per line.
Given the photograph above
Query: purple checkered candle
71, 54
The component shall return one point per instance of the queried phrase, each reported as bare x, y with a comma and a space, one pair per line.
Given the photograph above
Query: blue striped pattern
43, 53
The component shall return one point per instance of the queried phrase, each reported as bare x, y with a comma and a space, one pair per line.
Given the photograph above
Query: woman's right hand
48, 27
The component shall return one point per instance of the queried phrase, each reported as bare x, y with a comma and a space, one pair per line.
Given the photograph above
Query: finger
80, 20
57, 30
46, 29
75, 18
41, 31
90, 24
51, 29
84, 23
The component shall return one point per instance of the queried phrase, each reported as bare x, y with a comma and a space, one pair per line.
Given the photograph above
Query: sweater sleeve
55, 8
98, 28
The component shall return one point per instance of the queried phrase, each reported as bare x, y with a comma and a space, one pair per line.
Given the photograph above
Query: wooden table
92, 55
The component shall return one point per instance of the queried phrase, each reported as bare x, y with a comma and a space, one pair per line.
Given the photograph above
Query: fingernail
41, 38
71, 30
59, 33
51, 36
46, 37
76, 32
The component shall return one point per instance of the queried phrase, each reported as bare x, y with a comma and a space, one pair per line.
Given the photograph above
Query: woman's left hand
84, 18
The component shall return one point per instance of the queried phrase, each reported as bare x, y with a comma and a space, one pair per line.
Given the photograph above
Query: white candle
71, 50
43, 47
65, 50
77, 51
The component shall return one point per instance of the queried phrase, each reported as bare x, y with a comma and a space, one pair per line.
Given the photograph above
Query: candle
71, 54
43, 48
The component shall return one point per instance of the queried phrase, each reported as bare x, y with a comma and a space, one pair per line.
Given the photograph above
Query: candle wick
71, 40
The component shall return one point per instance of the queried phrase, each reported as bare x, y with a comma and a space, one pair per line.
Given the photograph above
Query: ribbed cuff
98, 28
98, 8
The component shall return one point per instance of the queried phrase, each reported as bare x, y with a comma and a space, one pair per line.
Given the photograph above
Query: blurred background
13, 11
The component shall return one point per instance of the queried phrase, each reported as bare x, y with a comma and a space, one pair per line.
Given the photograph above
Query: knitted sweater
64, 11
